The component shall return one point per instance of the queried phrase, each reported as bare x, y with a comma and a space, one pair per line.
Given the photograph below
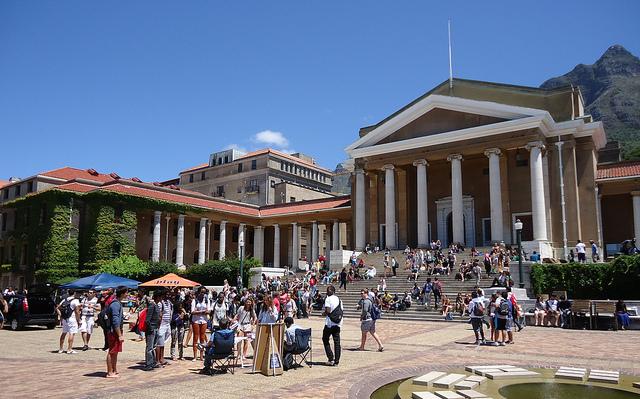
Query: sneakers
71, 352
501, 344
60, 351
85, 348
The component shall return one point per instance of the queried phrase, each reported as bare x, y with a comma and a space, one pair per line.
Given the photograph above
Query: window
25, 215
18, 190
12, 253
23, 255
219, 161
281, 165
254, 164
240, 167
273, 183
29, 186
292, 199
43, 215
118, 212
203, 176
191, 178
220, 191
226, 159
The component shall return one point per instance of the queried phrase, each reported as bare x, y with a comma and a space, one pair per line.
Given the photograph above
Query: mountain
611, 91
341, 183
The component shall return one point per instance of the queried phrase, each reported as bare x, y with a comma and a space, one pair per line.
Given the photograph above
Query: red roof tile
77, 187
4, 183
68, 173
305, 206
619, 170
201, 166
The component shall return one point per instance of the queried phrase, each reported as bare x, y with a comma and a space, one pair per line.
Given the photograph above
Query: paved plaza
31, 368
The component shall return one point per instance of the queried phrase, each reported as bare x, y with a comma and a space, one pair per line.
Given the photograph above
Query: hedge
618, 279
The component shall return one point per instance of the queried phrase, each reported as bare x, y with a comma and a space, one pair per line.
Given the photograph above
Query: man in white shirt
89, 307
476, 313
332, 324
70, 314
581, 251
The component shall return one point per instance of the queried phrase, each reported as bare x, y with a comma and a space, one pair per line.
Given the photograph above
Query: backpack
503, 310
103, 318
65, 309
142, 320
478, 309
375, 312
336, 315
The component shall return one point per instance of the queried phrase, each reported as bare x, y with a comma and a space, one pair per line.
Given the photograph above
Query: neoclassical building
465, 160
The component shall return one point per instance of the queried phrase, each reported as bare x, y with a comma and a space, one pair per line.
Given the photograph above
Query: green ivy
108, 238
60, 247
615, 280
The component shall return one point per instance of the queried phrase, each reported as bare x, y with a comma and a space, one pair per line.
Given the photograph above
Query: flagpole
450, 63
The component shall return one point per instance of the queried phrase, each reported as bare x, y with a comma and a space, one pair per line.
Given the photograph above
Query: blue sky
148, 88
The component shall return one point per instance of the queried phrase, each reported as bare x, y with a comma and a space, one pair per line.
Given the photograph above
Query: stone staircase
400, 285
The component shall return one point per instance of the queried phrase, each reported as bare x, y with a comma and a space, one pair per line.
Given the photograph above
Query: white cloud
271, 138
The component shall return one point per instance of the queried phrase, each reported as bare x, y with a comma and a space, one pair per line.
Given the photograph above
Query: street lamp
518, 226
241, 244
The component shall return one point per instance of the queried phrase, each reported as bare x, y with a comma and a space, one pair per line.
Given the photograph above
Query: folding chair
302, 348
223, 356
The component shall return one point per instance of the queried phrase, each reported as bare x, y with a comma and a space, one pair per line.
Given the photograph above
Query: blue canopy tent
101, 281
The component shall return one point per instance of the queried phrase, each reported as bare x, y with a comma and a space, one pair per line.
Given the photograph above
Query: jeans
427, 298
343, 283
151, 339
436, 298
476, 324
326, 333
177, 337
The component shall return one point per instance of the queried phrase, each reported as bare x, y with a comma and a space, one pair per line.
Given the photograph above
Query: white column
360, 211
389, 206
335, 236
538, 213
258, 243
495, 194
180, 242
209, 240
276, 245
240, 231
202, 241
223, 239
636, 214
166, 238
314, 241
295, 245
457, 217
421, 188
155, 246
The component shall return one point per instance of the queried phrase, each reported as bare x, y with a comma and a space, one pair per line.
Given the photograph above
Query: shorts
368, 326
582, 256
164, 334
509, 324
501, 324
70, 325
115, 345
86, 325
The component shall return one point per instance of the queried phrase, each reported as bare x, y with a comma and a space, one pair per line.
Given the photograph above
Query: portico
458, 167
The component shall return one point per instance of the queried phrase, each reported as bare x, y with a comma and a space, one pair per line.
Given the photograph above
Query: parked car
37, 307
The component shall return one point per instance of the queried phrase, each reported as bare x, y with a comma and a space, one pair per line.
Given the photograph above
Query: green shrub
128, 266
615, 280
215, 272
159, 269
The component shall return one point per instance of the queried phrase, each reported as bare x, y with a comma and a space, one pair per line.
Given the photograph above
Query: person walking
115, 336
89, 306
343, 279
368, 316
595, 256
581, 251
177, 329
151, 336
164, 330
70, 313
332, 324
476, 312
437, 292
199, 311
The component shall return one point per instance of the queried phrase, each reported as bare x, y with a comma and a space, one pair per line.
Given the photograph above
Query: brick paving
30, 368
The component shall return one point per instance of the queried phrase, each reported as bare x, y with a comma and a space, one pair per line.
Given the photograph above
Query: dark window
240, 167
281, 165
196, 255
254, 164
220, 191
226, 159
273, 183
216, 232
26, 215
219, 161
203, 176
292, 199
191, 178
18, 190
43, 214
234, 234
118, 212
29, 187
6, 194
23, 255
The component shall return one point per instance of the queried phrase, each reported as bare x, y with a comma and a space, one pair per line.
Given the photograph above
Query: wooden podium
267, 358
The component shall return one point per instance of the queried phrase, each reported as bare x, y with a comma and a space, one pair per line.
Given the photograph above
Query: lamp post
241, 244
518, 226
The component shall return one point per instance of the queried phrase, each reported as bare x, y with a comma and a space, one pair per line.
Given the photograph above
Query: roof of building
305, 206
69, 173
262, 152
616, 170
4, 183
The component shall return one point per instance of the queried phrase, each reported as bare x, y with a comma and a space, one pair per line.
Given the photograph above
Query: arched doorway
444, 223
450, 227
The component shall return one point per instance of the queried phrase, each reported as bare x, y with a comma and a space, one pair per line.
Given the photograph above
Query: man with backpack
503, 310
426, 292
370, 313
437, 292
115, 335
476, 312
70, 314
152, 324
332, 324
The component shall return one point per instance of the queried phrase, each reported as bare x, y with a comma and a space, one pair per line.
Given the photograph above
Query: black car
35, 308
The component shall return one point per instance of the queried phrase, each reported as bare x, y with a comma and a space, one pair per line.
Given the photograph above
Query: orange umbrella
170, 280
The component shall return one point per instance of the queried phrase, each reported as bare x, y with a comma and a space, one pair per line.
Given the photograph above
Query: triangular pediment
440, 115
439, 120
